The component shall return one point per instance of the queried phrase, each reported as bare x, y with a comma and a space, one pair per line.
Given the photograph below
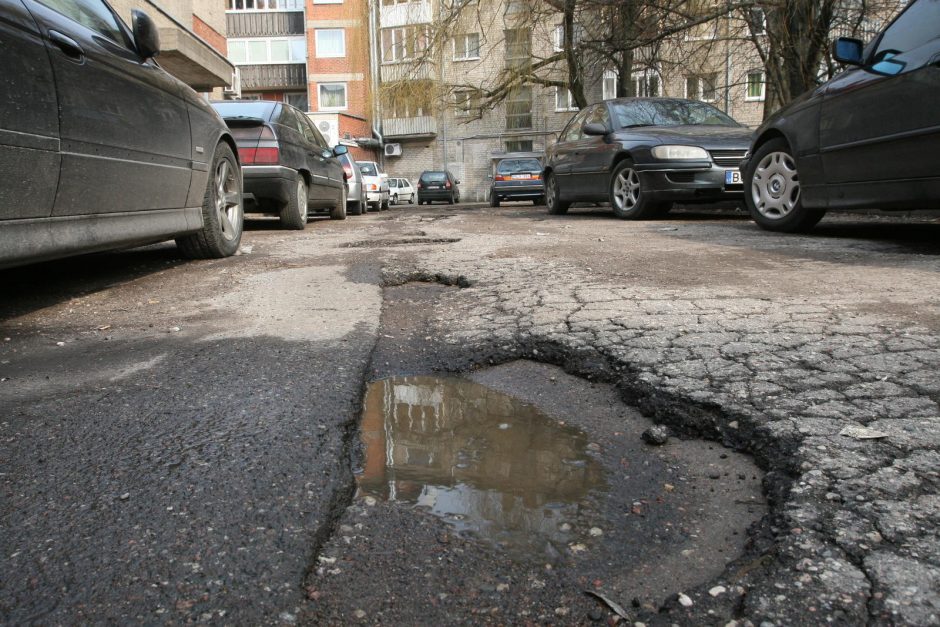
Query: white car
376, 183
401, 190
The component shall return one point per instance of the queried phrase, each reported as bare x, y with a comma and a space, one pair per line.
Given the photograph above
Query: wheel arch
228, 139
769, 135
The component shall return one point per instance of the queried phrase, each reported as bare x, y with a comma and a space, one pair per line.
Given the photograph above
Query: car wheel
411, 200
772, 185
372, 206
539, 201
450, 200
553, 196
294, 211
339, 211
223, 215
494, 200
395, 199
384, 205
627, 197
354, 209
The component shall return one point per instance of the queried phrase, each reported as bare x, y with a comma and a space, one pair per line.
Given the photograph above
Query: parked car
517, 178
642, 154
356, 201
287, 165
401, 191
868, 138
376, 182
101, 148
438, 185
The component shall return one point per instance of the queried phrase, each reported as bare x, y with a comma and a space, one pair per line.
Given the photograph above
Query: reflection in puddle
482, 460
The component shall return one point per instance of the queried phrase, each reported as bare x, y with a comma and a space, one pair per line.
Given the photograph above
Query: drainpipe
374, 78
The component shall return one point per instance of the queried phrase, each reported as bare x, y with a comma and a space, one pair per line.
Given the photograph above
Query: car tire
411, 200
395, 199
772, 190
539, 201
294, 212
338, 212
372, 206
384, 206
223, 211
354, 209
494, 200
553, 200
627, 197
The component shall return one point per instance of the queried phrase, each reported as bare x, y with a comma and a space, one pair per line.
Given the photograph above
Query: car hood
691, 135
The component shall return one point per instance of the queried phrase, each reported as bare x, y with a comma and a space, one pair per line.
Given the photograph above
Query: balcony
264, 23
407, 71
397, 128
273, 77
405, 13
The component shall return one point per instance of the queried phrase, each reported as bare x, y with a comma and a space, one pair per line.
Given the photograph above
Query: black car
288, 166
641, 154
437, 185
868, 138
517, 178
100, 148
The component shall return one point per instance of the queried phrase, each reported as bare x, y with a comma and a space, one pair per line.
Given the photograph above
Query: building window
646, 84
757, 21
467, 47
265, 5
702, 87
558, 43
519, 145
331, 42
518, 47
564, 101
403, 43
466, 102
298, 99
267, 50
331, 96
515, 7
609, 85
519, 108
755, 86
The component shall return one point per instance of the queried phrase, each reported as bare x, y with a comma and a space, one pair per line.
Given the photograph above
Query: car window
433, 177
243, 109
598, 115
393, 182
513, 166
573, 131
911, 30
313, 133
406, 183
368, 169
667, 112
92, 14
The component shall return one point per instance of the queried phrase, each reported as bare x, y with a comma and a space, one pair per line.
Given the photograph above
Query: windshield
667, 112
247, 109
433, 177
512, 166
368, 169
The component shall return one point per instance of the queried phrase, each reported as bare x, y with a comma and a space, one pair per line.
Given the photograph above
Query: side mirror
594, 128
340, 150
146, 36
456, 182
847, 50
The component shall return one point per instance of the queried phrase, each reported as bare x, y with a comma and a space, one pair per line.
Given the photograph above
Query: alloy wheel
228, 199
775, 186
627, 189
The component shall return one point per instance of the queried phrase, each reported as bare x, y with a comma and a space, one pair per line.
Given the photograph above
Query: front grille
728, 158
681, 177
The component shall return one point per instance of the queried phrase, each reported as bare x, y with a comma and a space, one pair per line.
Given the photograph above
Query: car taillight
420, 185
259, 156
502, 177
348, 170
447, 184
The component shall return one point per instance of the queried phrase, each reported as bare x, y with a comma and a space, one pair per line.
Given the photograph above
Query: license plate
521, 177
732, 177
434, 186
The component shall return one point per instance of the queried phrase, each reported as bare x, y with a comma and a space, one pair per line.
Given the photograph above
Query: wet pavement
181, 442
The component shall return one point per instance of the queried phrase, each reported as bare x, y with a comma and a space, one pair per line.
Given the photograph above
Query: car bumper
269, 182
435, 194
687, 183
376, 197
524, 191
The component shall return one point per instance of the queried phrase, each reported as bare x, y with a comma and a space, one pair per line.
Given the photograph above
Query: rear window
512, 166
368, 169
433, 177
247, 109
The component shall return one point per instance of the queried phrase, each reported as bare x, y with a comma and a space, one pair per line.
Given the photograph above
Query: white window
331, 42
265, 5
403, 43
558, 43
609, 87
331, 96
646, 84
466, 102
755, 86
519, 108
702, 87
298, 99
757, 21
467, 47
328, 1
564, 101
267, 50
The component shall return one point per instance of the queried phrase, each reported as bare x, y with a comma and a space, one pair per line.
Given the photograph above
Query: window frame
570, 99
267, 42
529, 113
466, 52
747, 86
345, 105
316, 39
230, 6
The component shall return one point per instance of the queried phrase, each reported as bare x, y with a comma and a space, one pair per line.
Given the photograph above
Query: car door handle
67, 45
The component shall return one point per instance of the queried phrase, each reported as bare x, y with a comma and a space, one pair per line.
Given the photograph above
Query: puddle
485, 462
403, 241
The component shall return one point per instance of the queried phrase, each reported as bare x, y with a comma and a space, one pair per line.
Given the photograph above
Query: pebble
596, 531
564, 527
714, 474
656, 435
174, 329
370, 501
125, 496
594, 446
577, 548
684, 600
561, 611
717, 590
360, 614
502, 587
287, 617
60, 343
596, 615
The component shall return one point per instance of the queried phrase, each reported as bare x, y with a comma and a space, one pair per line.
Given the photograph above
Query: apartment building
192, 43
267, 43
338, 75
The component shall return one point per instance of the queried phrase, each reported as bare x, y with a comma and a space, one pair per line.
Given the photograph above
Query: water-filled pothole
485, 462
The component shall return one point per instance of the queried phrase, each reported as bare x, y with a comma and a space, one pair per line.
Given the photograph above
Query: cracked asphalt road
229, 391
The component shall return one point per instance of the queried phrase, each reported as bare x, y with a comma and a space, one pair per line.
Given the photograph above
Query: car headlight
678, 153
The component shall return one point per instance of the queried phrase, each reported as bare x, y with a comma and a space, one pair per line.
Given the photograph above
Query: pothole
403, 241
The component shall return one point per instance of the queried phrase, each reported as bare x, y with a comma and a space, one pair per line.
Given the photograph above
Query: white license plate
732, 177
521, 176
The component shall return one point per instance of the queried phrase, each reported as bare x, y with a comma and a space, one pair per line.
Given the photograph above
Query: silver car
356, 201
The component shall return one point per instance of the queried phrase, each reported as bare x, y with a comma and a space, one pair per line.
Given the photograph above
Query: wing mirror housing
340, 150
146, 35
848, 50
594, 128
